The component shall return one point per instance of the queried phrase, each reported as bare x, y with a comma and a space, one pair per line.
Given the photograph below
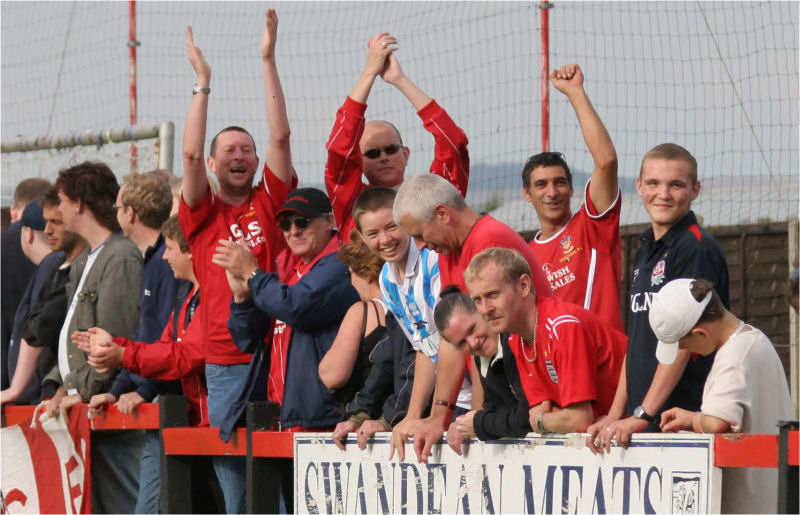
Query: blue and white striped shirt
411, 297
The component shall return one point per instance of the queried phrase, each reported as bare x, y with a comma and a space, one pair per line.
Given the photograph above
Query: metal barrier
270, 453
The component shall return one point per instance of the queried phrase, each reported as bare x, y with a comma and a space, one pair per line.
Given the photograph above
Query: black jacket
505, 407
387, 389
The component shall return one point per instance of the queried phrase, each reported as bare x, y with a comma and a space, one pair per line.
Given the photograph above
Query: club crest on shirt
568, 248
551, 370
659, 271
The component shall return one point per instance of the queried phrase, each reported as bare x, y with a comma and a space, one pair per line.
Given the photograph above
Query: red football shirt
583, 261
211, 220
578, 357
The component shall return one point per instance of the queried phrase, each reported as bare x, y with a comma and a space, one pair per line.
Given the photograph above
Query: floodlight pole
545, 6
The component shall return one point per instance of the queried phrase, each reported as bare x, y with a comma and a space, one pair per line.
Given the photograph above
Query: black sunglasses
301, 222
375, 153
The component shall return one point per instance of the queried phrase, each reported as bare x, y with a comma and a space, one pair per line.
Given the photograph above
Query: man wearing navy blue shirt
143, 204
674, 247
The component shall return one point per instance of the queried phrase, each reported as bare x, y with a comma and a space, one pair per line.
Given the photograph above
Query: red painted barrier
203, 441
730, 450
144, 417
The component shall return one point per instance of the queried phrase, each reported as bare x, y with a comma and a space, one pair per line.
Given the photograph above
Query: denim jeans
150, 475
225, 382
116, 456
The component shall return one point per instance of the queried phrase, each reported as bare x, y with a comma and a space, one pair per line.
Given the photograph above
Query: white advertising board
672, 473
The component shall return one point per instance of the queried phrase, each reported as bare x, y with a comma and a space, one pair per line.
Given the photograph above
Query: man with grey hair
433, 212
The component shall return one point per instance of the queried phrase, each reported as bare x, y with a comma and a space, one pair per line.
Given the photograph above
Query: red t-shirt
487, 233
344, 168
578, 357
583, 261
211, 220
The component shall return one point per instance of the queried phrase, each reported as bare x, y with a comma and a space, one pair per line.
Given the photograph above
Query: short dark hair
229, 128
95, 186
29, 190
360, 258
172, 229
544, 159
451, 298
372, 199
671, 152
714, 309
50, 198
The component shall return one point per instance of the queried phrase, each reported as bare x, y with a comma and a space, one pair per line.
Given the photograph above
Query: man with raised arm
239, 212
580, 252
675, 246
375, 149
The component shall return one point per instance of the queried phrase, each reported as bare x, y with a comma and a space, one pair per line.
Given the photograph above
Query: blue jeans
116, 456
149, 496
225, 382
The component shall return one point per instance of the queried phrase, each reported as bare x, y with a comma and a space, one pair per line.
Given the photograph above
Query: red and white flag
45, 464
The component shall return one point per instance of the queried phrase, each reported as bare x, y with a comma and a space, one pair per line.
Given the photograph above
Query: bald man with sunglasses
375, 149
580, 252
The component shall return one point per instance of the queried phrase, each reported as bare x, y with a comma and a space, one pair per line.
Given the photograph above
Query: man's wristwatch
639, 412
200, 89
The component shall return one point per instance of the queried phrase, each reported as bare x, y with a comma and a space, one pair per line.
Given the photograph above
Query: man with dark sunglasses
375, 149
307, 297
580, 252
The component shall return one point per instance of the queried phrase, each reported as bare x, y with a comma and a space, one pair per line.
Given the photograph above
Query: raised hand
567, 78
392, 72
270, 35
198, 62
380, 46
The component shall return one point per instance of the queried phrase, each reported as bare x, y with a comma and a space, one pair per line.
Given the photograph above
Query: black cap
32, 216
309, 202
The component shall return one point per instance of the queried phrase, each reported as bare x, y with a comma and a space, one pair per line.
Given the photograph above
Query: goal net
719, 78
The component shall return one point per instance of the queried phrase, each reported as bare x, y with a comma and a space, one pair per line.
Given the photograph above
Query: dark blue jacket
314, 308
40, 276
159, 291
387, 389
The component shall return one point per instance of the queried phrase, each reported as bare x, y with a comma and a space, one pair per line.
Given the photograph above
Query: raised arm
344, 166
195, 182
393, 74
451, 157
279, 154
380, 47
603, 187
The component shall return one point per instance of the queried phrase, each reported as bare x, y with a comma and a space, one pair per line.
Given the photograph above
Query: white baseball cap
673, 313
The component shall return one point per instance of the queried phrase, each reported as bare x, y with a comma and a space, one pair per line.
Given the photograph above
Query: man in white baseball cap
746, 389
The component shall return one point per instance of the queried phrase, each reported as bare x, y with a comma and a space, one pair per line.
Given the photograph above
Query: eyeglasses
375, 153
545, 158
116, 206
301, 222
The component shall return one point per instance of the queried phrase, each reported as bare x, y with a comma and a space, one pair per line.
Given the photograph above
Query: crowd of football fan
335, 305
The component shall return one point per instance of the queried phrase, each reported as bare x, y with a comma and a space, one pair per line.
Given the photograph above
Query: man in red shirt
375, 149
569, 360
239, 212
435, 214
581, 252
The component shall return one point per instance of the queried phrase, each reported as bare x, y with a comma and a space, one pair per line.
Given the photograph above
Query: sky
719, 78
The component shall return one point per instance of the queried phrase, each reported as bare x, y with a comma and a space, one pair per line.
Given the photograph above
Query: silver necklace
522, 340
737, 331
